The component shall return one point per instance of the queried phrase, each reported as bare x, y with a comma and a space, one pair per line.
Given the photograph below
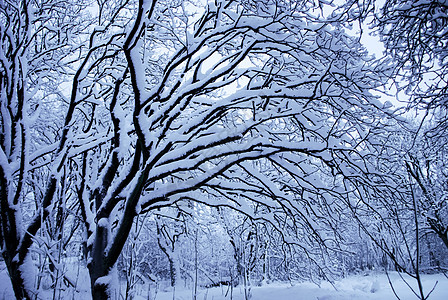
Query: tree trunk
17, 280
14, 259
99, 292
172, 272
98, 267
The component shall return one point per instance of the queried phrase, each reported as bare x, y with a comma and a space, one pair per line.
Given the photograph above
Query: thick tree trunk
17, 279
99, 287
98, 269
9, 237
99, 292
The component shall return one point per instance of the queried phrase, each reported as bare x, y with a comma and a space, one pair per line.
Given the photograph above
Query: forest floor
372, 286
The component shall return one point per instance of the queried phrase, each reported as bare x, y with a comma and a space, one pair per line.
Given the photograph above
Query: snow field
374, 286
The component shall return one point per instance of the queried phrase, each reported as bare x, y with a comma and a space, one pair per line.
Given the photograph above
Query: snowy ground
367, 287
371, 287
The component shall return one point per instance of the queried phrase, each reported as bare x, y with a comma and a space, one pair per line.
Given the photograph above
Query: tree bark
98, 267
17, 280
9, 237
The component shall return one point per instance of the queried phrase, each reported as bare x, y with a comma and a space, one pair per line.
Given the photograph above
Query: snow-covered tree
36, 38
260, 106
414, 35
243, 82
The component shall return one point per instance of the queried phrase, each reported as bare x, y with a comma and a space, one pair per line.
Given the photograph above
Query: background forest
166, 143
